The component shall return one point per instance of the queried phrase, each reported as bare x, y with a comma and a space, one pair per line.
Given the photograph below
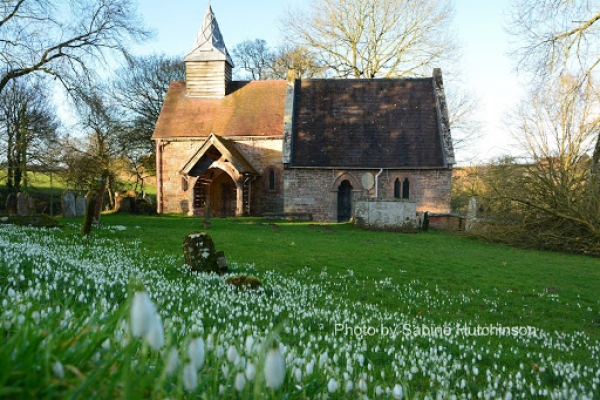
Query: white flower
232, 355
58, 370
190, 377
156, 334
274, 368
196, 352
349, 386
398, 393
362, 385
332, 385
249, 344
172, 361
378, 391
250, 371
11, 292
240, 382
142, 314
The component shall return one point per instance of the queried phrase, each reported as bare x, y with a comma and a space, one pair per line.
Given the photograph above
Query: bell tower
208, 65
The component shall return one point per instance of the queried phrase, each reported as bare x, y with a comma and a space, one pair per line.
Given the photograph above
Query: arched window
405, 189
271, 179
397, 188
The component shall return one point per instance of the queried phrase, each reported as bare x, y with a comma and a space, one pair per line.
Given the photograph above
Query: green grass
66, 313
539, 288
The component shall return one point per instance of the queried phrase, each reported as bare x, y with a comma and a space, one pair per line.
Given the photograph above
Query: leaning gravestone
80, 206
68, 204
200, 255
11, 204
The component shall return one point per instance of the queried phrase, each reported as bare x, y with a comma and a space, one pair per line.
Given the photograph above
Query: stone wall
261, 153
385, 213
315, 191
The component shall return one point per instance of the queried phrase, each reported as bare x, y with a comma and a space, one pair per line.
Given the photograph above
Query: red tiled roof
375, 123
250, 109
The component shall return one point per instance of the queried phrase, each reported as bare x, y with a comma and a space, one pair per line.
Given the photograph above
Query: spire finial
209, 42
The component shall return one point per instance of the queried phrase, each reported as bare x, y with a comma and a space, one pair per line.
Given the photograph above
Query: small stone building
297, 146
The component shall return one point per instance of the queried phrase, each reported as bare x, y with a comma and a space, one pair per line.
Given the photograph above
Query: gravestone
22, 204
11, 204
68, 204
471, 214
199, 254
80, 206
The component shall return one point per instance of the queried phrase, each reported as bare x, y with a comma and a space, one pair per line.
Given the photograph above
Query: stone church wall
315, 191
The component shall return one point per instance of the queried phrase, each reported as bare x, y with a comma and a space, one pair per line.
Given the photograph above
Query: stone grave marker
200, 255
68, 204
80, 206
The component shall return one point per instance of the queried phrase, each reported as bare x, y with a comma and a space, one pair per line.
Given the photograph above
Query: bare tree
63, 38
556, 36
546, 200
101, 123
28, 128
252, 59
374, 38
139, 90
298, 58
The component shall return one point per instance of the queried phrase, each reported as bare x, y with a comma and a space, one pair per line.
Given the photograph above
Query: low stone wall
385, 214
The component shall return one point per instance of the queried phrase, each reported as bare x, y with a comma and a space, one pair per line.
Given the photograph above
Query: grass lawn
355, 312
498, 284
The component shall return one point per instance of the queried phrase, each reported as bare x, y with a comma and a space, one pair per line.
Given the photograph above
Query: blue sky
480, 26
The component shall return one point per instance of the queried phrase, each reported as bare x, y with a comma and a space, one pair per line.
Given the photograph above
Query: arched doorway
220, 188
344, 201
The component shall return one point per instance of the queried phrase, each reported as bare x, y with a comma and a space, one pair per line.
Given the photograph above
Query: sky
486, 68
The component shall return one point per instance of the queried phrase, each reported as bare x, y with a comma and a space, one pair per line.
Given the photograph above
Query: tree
100, 122
28, 129
63, 39
554, 37
252, 57
374, 38
139, 91
298, 58
545, 200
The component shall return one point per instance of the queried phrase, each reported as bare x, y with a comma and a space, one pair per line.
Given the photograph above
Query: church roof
250, 109
209, 44
374, 123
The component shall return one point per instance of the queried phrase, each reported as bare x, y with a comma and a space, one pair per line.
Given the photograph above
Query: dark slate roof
376, 123
250, 109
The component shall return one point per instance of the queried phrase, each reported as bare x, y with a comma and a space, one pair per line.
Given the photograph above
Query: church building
297, 146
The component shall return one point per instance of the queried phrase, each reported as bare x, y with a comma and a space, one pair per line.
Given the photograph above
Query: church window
405, 189
397, 188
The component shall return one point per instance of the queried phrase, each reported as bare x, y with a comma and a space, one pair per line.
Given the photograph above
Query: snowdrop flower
58, 370
349, 386
378, 391
274, 368
142, 314
250, 371
196, 352
362, 385
172, 361
332, 385
156, 334
190, 377
240, 381
232, 355
11, 292
398, 393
